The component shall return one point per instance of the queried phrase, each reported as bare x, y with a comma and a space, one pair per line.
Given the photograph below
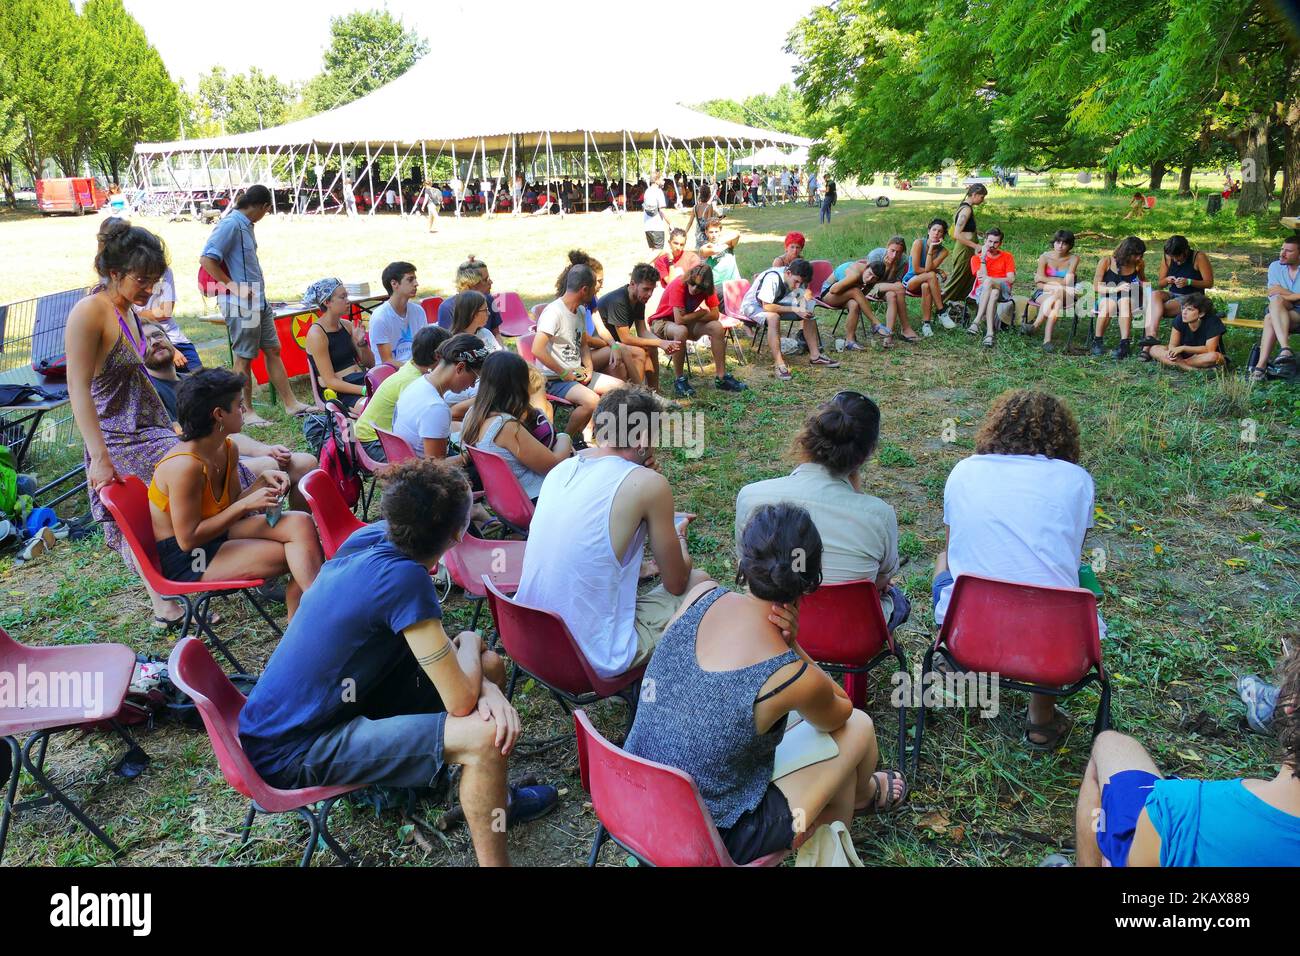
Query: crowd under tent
543, 123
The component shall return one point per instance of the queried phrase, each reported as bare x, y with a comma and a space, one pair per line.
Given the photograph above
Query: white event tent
537, 122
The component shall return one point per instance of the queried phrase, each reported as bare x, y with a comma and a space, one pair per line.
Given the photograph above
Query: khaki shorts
654, 609
251, 330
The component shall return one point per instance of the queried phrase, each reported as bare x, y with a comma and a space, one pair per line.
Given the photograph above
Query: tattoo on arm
436, 656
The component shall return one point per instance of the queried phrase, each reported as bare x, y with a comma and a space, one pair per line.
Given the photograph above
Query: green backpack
8, 480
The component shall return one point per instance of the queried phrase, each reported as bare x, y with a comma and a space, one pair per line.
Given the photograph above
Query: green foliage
368, 48
782, 111
243, 102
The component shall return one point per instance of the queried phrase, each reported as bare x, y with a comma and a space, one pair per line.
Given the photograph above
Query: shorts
655, 240
558, 388
375, 449
902, 608
654, 609
187, 566
767, 828
941, 583
250, 332
398, 742
1122, 800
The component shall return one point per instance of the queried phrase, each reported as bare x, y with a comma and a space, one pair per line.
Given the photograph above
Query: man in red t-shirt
689, 310
995, 273
676, 261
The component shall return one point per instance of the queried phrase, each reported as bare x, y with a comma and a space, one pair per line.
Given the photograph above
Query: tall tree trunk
1157, 173
1185, 180
1252, 149
1112, 180
7, 176
1291, 161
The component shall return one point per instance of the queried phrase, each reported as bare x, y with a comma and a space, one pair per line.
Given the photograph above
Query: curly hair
426, 504
1286, 722
1024, 422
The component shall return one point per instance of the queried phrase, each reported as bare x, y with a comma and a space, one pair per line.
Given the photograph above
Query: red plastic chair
1041, 640
515, 320
128, 503
111, 666
842, 627
474, 558
375, 377
822, 270
333, 519
396, 448
219, 702
505, 495
373, 469
430, 306
541, 646
652, 811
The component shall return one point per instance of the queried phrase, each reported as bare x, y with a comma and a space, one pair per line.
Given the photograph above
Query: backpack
334, 452
8, 480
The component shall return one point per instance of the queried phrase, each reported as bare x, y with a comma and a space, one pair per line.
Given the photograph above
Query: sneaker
783, 373
1121, 350
682, 387
526, 804
36, 545
824, 362
729, 383
1096, 348
926, 330
1260, 698
1049, 347
946, 321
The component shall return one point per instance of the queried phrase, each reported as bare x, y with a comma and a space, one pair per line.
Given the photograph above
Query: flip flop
891, 803
1054, 730
914, 338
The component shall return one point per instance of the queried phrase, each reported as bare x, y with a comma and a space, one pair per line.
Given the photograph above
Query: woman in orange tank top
206, 528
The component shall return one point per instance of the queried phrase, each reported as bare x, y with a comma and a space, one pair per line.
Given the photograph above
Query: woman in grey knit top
725, 681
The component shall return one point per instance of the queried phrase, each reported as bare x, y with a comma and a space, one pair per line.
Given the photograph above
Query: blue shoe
1260, 698
528, 803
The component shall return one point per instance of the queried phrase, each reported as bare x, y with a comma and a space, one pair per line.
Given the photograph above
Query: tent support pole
370, 179
586, 175
397, 174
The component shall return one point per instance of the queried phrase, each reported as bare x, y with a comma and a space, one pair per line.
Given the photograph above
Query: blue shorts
1122, 800
559, 389
944, 580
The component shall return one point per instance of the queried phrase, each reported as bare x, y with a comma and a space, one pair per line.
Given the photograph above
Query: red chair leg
11, 792
855, 685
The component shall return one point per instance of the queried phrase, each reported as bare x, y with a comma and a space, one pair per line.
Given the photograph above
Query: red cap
796, 237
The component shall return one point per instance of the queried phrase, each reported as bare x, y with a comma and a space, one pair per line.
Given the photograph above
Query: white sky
287, 37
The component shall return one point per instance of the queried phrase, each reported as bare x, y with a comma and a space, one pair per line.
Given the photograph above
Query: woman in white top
496, 420
1018, 510
423, 416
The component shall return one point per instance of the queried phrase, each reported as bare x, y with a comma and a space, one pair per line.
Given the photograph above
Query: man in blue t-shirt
367, 688
1129, 815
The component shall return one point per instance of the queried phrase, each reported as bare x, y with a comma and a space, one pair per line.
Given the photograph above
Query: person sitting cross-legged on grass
859, 532
1283, 316
1055, 286
1183, 271
995, 274
1130, 815
776, 293
1018, 510
729, 675
594, 517
689, 311
205, 526
367, 688
1196, 340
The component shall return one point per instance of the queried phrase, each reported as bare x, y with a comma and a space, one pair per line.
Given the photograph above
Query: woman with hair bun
859, 532
728, 674
123, 423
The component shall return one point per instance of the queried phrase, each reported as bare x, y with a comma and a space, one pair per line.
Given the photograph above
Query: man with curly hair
1018, 510
1130, 815
367, 688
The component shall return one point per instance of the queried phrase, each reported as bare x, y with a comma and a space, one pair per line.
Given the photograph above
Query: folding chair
396, 448
431, 306
1041, 640
652, 811
113, 662
128, 503
219, 702
1072, 313
333, 519
475, 558
541, 646
734, 318
515, 320
372, 469
505, 495
842, 627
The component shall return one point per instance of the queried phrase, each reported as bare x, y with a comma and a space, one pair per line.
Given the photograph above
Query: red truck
74, 194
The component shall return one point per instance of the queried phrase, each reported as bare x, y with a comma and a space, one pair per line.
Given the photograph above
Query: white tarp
771, 156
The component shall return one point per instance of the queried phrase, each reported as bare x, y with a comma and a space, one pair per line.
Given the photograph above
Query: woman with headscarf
337, 349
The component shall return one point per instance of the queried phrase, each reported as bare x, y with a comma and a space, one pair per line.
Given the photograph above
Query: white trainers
926, 330
946, 321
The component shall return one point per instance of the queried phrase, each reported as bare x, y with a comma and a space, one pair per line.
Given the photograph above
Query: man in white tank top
594, 515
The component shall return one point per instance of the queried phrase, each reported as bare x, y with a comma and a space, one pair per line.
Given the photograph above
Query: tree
134, 98
782, 111
12, 127
368, 48
242, 102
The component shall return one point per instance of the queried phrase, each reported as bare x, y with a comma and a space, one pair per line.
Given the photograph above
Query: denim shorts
559, 389
944, 580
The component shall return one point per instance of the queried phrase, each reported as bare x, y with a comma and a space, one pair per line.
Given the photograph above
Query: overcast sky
287, 37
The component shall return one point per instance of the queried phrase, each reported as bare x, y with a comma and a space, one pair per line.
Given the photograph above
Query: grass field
1199, 523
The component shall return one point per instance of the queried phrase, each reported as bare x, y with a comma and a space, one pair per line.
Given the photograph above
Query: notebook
802, 746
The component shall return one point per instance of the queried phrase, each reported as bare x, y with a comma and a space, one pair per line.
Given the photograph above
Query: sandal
824, 361
875, 806
988, 341
1054, 730
913, 338
1257, 375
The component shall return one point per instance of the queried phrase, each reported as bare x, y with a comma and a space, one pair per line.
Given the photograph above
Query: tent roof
430, 104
